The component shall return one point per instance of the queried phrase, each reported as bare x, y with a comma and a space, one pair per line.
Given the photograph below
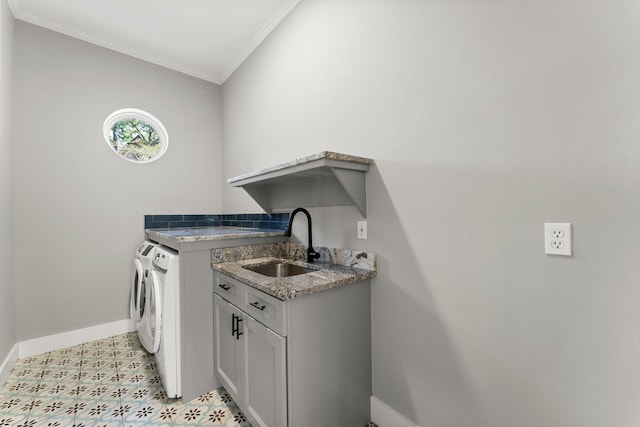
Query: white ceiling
207, 39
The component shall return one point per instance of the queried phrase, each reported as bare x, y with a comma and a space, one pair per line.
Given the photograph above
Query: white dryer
142, 264
161, 320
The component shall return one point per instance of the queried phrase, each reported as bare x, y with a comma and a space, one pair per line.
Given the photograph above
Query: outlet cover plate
557, 238
362, 230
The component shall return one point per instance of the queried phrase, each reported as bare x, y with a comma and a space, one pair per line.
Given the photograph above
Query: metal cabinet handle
257, 305
238, 329
224, 286
235, 326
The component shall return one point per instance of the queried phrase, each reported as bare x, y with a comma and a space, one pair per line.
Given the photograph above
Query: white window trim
134, 113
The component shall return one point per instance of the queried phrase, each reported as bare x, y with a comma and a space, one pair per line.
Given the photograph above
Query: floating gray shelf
323, 179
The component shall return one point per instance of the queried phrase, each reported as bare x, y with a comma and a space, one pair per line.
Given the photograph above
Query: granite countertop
201, 234
326, 277
337, 267
325, 155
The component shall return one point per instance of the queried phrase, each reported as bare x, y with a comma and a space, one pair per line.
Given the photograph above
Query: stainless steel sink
279, 269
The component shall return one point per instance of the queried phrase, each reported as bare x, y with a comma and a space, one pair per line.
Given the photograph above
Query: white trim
385, 416
7, 365
277, 17
71, 338
148, 119
201, 74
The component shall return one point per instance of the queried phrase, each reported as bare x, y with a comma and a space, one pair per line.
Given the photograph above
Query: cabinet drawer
228, 288
266, 309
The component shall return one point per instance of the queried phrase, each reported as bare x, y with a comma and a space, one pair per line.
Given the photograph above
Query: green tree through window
135, 135
134, 139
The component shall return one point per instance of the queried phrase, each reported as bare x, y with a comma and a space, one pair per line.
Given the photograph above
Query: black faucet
311, 254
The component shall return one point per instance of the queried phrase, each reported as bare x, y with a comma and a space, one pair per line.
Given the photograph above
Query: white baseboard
385, 416
7, 365
79, 336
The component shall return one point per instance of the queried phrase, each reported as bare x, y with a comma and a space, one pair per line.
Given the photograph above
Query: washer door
154, 310
137, 289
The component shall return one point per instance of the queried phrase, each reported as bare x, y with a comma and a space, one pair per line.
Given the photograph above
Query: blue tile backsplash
273, 222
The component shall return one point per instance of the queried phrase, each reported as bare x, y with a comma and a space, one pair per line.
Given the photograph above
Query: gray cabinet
295, 363
266, 370
250, 363
228, 347
196, 311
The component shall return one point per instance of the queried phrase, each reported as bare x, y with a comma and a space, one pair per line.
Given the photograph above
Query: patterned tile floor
110, 382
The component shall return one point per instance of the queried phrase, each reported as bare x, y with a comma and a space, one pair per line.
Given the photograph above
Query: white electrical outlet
362, 230
557, 238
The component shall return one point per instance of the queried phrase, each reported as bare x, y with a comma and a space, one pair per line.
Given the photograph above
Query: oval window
136, 135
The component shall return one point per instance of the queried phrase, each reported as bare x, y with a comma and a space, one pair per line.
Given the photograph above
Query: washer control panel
162, 259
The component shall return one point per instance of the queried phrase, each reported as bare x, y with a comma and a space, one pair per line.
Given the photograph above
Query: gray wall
7, 274
79, 207
486, 119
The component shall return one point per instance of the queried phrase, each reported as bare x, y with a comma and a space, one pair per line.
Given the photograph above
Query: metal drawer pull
224, 286
238, 330
235, 326
257, 305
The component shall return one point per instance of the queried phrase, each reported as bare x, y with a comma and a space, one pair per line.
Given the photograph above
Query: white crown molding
201, 74
277, 17
258, 38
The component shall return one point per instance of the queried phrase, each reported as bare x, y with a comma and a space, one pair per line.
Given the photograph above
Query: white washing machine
142, 264
161, 318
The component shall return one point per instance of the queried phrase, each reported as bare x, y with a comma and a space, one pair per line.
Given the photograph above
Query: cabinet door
228, 354
266, 376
